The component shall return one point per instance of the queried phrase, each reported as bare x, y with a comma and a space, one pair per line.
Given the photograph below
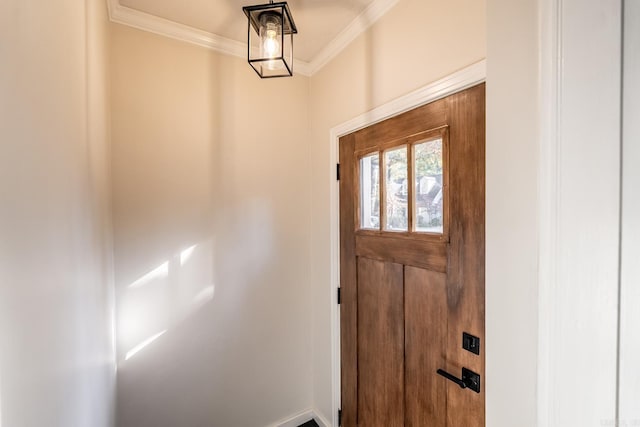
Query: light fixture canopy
270, 39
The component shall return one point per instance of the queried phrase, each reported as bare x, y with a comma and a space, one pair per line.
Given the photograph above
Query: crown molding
146, 22
376, 10
164, 27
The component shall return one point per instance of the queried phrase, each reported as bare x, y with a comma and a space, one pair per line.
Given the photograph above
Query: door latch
471, 343
469, 380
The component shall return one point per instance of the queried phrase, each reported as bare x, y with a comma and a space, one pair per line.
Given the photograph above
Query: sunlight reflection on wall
142, 345
186, 254
163, 296
161, 271
172, 289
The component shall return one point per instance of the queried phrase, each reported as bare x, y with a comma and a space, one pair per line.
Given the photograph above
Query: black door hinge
339, 417
338, 171
339, 296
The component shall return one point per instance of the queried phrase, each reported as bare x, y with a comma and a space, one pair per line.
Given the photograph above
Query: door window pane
370, 192
428, 200
396, 189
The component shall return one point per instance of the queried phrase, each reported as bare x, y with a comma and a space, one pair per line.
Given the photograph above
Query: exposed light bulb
270, 33
271, 46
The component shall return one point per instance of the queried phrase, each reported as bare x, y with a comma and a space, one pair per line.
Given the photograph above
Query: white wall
415, 43
56, 363
512, 212
208, 156
630, 293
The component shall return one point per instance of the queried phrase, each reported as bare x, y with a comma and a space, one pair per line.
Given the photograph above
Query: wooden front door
412, 196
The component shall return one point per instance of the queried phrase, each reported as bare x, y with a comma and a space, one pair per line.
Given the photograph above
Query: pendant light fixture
270, 39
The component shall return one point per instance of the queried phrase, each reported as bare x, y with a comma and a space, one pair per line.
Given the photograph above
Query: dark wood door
412, 194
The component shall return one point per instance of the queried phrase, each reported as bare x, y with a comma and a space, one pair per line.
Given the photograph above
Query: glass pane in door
370, 192
396, 190
429, 189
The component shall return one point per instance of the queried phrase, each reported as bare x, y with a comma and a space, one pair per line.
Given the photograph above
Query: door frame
456, 82
569, 98
629, 389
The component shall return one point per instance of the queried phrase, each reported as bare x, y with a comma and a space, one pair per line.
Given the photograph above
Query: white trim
301, 418
456, 82
154, 24
376, 10
548, 203
320, 420
146, 22
578, 252
460, 80
629, 371
295, 420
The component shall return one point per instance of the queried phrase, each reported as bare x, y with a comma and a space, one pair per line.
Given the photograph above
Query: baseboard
320, 419
294, 420
301, 418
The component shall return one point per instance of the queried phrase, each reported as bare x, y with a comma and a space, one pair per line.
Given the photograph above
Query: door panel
418, 253
380, 344
425, 299
412, 278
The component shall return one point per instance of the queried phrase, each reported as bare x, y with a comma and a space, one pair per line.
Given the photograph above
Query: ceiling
325, 27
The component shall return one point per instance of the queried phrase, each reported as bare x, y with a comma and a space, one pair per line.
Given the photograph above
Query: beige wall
56, 364
512, 212
415, 43
211, 175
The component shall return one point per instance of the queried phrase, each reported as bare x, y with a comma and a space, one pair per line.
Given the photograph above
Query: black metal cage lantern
270, 39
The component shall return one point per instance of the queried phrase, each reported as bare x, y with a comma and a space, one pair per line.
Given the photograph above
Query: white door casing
579, 212
629, 371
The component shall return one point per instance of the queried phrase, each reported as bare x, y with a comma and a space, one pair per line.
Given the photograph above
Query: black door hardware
469, 380
471, 343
